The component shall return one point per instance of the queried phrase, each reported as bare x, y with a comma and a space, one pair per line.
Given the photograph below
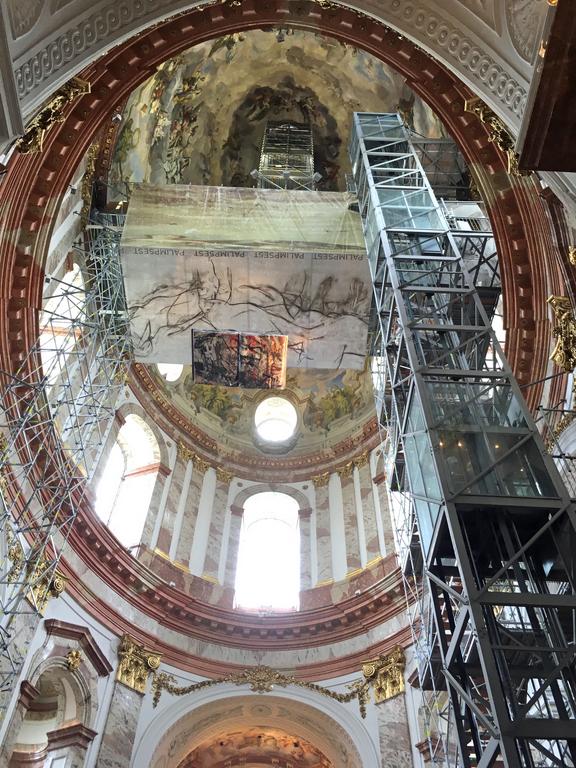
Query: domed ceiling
200, 120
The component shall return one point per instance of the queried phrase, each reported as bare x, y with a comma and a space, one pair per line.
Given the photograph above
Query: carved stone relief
524, 20
23, 15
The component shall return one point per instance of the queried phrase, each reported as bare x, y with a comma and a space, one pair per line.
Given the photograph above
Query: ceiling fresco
256, 747
333, 405
200, 119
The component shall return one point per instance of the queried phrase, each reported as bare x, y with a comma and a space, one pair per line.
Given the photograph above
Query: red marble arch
34, 185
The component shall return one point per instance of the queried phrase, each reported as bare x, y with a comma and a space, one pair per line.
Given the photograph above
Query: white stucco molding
11, 123
50, 54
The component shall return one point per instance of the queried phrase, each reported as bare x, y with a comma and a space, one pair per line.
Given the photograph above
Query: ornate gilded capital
572, 255
51, 113
200, 465
564, 354
386, 674
223, 475
136, 663
185, 454
499, 134
320, 481
45, 583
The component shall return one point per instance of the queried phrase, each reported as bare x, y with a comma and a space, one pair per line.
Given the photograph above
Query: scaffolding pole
57, 408
487, 538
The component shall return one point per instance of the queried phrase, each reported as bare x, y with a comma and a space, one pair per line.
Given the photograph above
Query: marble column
236, 514
158, 495
135, 665
337, 528
362, 549
380, 499
197, 556
305, 516
395, 746
323, 546
186, 510
353, 558
215, 540
386, 515
165, 534
365, 490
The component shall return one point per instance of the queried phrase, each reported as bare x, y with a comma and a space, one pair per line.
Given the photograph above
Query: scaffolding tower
487, 529
287, 156
57, 409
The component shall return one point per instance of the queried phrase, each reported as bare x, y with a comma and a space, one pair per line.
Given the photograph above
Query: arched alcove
187, 723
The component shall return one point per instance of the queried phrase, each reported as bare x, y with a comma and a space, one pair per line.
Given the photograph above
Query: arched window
268, 571
62, 312
124, 492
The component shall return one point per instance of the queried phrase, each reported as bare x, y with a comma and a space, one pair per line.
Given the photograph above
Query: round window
275, 419
170, 371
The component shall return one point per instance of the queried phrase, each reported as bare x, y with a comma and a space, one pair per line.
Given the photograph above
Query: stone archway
188, 725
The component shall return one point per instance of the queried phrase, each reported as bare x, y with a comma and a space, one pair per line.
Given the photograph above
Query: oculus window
275, 420
268, 571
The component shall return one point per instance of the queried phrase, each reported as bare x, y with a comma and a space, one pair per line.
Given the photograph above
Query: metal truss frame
487, 527
57, 409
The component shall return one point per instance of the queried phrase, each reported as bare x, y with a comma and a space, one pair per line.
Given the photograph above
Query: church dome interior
286, 373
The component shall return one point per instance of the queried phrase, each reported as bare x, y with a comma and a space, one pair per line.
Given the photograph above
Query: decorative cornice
428, 25
74, 735
28, 693
52, 113
85, 640
381, 597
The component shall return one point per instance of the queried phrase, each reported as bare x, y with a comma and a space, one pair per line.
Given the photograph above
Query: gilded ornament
49, 115
386, 674
87, 182
184, 453
564, 354
499, 134
73, 659
262, 679
572, 255
223, 475
321, 480
15, 555
200, 465
136, 663
44, 581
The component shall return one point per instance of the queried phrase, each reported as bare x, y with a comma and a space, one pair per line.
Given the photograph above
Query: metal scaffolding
57, 409
287, 157
487, 529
